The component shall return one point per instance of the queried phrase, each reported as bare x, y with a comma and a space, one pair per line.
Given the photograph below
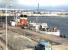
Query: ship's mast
38, 8
37, 13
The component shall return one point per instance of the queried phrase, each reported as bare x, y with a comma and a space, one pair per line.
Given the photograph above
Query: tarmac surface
16, 41
63, 42
19, 39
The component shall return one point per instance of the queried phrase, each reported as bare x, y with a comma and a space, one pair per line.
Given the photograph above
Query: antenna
37, 13
38, 8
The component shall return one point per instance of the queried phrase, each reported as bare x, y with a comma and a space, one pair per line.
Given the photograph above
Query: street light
7, 2
6, 23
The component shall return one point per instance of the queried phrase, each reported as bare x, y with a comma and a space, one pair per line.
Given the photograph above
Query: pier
33, 37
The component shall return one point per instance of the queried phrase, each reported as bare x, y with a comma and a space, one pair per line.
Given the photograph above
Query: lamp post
7, 2
6, 23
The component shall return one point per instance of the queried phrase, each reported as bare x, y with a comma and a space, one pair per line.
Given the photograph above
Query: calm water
60, 22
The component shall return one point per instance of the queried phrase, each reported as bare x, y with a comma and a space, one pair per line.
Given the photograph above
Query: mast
38, 8
37, 20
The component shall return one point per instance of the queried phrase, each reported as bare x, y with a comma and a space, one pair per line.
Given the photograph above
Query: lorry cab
23, 21
43, 45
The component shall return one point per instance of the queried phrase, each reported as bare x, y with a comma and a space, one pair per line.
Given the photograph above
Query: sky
43, 2
34, 3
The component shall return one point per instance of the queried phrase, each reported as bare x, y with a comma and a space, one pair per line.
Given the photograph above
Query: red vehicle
23, 21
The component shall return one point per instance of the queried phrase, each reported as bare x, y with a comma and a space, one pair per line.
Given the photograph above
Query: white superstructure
43, 28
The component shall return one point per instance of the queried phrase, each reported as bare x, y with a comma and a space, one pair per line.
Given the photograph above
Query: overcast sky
34, 3
43, 2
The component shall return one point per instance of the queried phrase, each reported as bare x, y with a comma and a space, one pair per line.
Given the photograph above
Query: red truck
23, 21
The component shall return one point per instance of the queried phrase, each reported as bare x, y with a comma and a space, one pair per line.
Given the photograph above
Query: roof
44, 42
